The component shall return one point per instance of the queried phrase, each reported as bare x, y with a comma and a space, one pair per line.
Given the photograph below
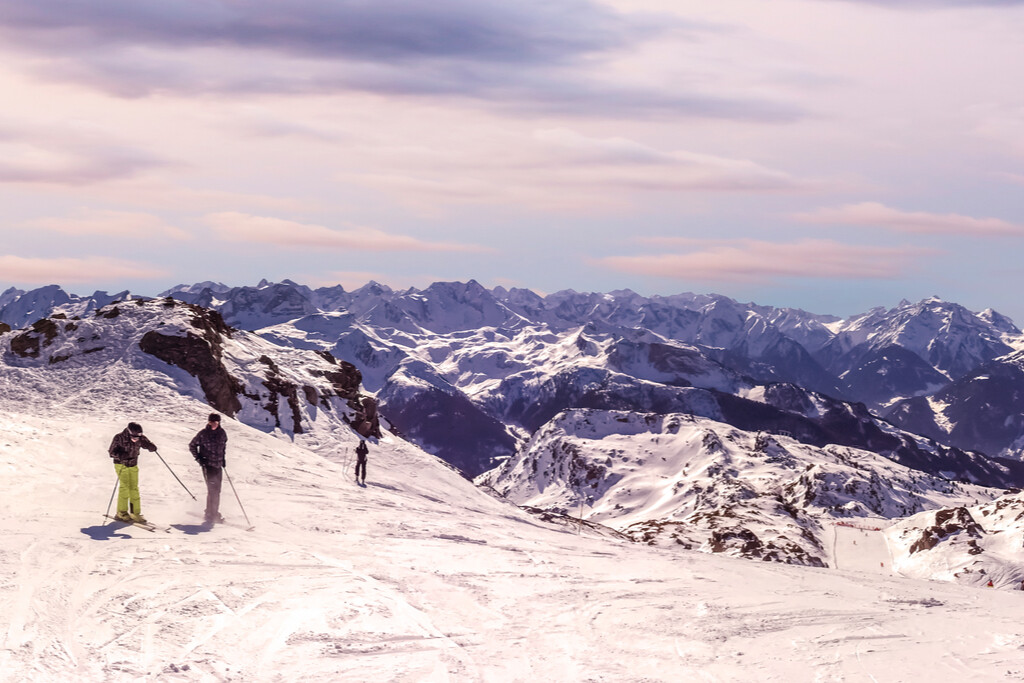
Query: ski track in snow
418, 577
861, 547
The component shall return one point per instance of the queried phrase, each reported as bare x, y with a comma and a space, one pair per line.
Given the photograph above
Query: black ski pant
361, 467
214, 476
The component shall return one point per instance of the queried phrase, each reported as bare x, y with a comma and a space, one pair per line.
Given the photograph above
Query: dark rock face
4, 328
210, 323
788, 397
948, 522
746, 543
201, 359
40, 335
346, 380
280, 387
199, 355
366, 420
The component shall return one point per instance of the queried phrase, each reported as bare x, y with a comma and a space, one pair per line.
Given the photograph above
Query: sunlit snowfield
420, 577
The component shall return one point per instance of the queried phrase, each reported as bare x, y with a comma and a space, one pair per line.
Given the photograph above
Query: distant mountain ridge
690, 420
469, 372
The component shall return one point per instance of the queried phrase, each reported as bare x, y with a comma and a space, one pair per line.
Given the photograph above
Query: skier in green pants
124, 449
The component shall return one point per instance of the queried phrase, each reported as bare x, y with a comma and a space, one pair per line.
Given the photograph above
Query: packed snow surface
417, 577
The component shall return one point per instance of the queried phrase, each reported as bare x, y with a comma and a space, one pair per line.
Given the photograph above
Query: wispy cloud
937, 4
397, 31
528, 56
262, 124
242, 227
129, 224
39, 155
760, 261
564, 169
622, 162
870, 214
72, 270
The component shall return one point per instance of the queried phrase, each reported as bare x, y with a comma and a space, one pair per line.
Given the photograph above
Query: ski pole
112, 493
172, 473
238, 499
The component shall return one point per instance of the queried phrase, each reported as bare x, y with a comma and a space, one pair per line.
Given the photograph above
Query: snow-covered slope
699, 483
969, 544
419, 577
181, 349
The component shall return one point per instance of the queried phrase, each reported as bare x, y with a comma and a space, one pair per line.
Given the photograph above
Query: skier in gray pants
208, 448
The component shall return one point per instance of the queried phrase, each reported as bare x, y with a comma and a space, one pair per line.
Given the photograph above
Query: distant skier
361, 451
124, 449
208, 448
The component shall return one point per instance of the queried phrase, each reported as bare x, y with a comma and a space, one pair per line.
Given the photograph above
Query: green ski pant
129, 489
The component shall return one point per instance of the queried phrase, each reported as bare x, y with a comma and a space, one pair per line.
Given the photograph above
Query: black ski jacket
124, 451
208, 447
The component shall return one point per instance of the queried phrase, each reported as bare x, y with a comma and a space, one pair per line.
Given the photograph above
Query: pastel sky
832, 155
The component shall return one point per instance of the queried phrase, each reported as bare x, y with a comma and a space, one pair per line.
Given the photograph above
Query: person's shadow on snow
104, 532
192, 529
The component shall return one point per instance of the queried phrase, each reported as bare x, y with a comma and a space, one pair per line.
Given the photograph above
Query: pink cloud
69, 270
754, 260
111, 223
879, 215
243, 227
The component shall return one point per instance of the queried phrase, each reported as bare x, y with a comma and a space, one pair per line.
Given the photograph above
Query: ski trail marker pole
233, 490
172, 473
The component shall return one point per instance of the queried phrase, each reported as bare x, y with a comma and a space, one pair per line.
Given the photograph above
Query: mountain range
773, 423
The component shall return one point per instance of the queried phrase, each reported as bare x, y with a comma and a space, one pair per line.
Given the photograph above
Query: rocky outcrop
201, 359
279, 387
947, 522
30, 343
197, 354
366, 420
346, 379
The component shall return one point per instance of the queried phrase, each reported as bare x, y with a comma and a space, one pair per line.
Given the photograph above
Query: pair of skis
148, 526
